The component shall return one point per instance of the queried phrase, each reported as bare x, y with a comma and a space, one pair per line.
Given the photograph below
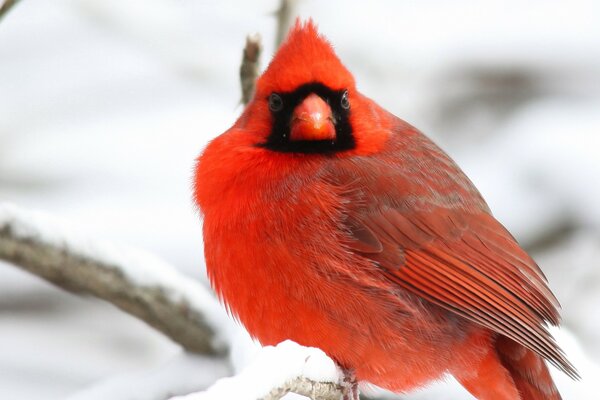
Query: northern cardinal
333, 223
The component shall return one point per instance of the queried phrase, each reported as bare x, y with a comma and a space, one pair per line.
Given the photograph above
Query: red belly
362, 325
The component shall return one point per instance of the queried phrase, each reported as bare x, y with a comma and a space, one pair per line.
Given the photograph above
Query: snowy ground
104, 104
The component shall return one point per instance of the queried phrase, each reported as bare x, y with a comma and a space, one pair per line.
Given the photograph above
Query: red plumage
373, 246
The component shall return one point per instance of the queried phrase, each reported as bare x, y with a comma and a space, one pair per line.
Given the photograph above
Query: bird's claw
350, 385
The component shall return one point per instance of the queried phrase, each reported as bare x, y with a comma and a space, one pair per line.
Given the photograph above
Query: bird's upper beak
312, 119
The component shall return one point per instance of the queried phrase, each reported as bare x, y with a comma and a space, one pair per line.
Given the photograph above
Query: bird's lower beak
312, 119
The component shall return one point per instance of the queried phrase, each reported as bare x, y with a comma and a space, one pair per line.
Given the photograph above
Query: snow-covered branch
314, 390
134, 281
277, 371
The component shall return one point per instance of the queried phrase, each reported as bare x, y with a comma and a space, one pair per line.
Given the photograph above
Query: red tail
528, 371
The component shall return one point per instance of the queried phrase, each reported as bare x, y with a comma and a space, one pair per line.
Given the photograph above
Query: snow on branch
134, 281
277, 371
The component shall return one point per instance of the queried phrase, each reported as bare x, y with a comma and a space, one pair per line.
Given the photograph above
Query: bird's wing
452, 253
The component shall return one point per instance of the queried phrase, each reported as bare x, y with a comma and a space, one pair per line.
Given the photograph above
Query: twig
6, 6
285, 14
249, 69
136, 282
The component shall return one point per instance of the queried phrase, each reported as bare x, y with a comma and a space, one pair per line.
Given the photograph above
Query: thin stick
249, 69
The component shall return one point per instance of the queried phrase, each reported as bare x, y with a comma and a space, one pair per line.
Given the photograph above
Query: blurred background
104, 104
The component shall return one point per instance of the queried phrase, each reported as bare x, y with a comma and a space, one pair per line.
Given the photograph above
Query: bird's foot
350, 385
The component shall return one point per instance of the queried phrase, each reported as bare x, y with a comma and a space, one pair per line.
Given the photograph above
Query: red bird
333, 223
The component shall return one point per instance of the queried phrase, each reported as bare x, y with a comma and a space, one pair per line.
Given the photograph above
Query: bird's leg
350, 385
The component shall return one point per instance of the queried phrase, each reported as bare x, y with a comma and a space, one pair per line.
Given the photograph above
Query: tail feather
528, 370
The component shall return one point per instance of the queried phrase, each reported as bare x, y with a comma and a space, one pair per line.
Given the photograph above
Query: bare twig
249, 69
170, 306
285, 15
6, 6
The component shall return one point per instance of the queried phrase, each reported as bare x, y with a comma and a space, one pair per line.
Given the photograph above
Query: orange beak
312, 120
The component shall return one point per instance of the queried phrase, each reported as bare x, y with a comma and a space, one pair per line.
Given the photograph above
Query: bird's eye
345, 102
275, 102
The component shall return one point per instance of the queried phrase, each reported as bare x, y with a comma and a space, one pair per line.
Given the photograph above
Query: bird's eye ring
275, 102
345, 102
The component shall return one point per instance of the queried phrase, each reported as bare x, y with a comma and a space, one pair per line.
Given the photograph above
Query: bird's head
306, 100
305, 108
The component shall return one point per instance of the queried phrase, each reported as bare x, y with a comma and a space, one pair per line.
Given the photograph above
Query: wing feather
474, 269
412, 212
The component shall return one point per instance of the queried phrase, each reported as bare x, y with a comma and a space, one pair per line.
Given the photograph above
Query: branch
277, 371
6, 6
314, 390
249, 69
134, 281
285, 13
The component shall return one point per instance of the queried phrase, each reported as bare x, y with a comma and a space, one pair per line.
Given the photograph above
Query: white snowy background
105, 103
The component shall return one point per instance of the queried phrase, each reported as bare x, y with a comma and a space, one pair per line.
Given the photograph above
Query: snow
63, 343
587, 387
578, 288
532, 159
184, 373
104, 105
271, 368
